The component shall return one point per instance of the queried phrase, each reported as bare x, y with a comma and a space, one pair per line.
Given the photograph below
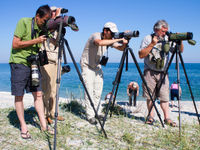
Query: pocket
19, 72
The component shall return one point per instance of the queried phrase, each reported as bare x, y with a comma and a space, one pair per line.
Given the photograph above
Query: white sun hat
112, 26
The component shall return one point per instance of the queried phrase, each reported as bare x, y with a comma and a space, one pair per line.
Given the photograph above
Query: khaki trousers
49, 76
93, 80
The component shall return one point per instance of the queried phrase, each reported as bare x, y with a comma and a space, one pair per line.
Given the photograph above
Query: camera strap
107, 51
33, 31
102, 46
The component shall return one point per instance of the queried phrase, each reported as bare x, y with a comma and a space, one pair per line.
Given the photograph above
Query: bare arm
145, 51
128, 91
123, 46
182, 47
129, 86
137, 90
105, 97
107, 42
18, 43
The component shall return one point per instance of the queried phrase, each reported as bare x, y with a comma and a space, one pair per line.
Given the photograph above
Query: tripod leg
57, 89
81, 79
182, 63
143, 80
118, 77
178, 82
64, 56
116, 82
112, 107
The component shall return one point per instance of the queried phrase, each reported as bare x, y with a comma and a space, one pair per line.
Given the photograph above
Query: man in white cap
49, 73
92, 73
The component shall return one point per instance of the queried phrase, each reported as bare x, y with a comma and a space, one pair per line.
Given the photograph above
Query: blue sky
91, 15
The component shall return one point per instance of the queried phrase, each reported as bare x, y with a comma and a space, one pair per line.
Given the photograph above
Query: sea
71, 86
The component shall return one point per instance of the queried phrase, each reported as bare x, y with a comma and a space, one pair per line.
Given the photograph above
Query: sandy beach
124, 132
7, 100
188, 113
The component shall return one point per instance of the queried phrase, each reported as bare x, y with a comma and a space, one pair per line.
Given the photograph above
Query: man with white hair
156, 57
92, 73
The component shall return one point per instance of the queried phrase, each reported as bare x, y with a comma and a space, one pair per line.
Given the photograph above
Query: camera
67, 21
126, 35
35, 60
65, 69
159, 62
34, 74
41, 58
63, 10
103, 61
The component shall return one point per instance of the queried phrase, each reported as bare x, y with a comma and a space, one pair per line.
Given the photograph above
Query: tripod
62, 42
117, 81
158, 86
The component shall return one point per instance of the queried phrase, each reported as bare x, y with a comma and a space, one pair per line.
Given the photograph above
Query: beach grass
124, 132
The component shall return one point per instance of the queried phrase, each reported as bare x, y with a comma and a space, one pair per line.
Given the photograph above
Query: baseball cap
112, 26
53, 8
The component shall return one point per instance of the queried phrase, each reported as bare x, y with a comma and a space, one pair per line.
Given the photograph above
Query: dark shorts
21, 80
174, 93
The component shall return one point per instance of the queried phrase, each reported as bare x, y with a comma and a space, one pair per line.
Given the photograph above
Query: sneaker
92, 121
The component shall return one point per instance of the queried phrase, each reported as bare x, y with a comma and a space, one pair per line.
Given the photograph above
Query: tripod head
59, 23
126, 50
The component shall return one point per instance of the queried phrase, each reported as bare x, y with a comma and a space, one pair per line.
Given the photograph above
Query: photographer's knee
37, 95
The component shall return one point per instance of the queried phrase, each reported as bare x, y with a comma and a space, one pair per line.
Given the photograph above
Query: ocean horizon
71, 86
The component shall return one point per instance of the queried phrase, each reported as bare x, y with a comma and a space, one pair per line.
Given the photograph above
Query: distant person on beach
26, 42
49, 73
132, 91
107, 97
174, 92
156, 58
91, 61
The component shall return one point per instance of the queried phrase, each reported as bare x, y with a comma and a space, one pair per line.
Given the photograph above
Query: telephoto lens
54, 23
129, 34
34, 74
180, 36
132, 34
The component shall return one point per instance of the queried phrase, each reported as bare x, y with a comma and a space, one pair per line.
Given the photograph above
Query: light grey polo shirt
157, 48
